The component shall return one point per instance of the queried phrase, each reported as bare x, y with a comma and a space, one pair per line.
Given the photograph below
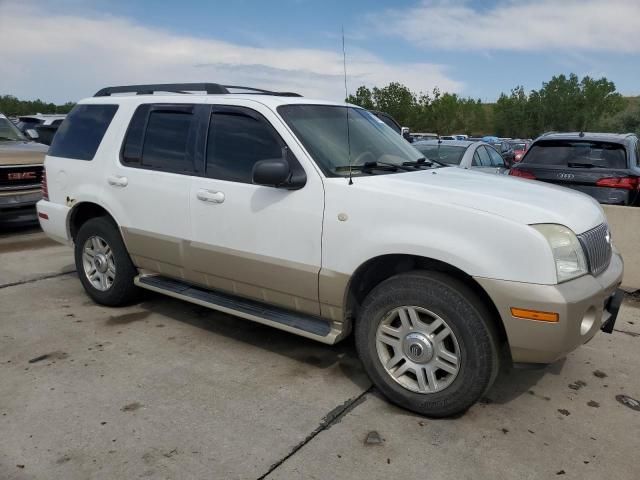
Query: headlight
567, 251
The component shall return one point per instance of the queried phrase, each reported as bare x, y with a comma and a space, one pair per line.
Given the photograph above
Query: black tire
122, 291
468, 318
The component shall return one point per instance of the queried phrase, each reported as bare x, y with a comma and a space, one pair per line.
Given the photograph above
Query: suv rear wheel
103, 264
427, 342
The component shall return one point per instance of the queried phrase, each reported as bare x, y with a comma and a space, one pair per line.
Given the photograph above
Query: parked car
424, 136
464, 154
45, 126
391, 122
448, 137
520, 147
20, 173
261, 206
603, 165
506, 151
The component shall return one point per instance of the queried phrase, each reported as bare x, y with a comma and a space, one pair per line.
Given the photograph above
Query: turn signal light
626, 183
534, 315
516, 172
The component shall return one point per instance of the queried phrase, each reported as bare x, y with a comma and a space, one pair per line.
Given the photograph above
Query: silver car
479, 156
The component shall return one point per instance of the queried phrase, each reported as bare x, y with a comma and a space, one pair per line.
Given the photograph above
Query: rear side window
577, 154
483, 156
80, 134
161, 137
238, 138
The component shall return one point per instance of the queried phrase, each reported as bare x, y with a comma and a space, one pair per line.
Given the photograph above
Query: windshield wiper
390, 166
580, 165
423, 162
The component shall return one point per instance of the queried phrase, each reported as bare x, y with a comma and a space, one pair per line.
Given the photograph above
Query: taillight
45, 189
626, 183
517, 172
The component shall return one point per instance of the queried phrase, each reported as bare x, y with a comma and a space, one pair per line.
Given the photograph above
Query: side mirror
31, 134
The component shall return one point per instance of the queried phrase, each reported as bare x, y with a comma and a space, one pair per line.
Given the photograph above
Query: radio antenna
346, 96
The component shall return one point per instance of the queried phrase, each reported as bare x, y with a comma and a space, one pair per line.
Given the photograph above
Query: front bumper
585, 305
19, 204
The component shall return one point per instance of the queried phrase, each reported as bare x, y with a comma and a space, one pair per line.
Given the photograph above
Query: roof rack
208, 88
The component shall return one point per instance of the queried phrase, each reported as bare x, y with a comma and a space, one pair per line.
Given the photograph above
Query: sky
68, 49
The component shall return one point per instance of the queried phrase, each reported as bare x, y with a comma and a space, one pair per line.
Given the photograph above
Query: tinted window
238, 138
483, 155
496, 158
55, 123
389, 121
166, 140
578, 154
81, 132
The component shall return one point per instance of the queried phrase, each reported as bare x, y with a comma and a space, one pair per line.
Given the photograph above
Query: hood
21, 153
520, 200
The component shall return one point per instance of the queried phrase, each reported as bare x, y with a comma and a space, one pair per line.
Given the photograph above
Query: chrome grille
597, 248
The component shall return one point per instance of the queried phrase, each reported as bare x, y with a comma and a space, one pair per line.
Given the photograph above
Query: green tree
10, 105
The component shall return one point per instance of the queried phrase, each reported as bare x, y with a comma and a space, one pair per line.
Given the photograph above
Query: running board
301, 324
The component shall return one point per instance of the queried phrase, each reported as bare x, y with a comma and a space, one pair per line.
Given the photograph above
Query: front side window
496, 158
80, 134
238, 138
337, 146
483, 156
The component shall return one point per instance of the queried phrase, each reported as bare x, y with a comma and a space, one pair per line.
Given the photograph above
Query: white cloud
61, 57
518, 25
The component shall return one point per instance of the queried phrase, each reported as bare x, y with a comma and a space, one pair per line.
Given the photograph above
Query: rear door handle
117, 181
210, 196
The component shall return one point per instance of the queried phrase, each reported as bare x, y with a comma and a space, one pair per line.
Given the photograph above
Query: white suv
318, 219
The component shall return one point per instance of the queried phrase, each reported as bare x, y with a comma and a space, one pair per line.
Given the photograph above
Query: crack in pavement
37, 279
330, 419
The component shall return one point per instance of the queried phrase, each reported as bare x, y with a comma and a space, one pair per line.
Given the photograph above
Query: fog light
534, 315
587, 321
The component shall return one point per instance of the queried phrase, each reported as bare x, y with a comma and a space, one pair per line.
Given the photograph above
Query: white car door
148, 186
254, 241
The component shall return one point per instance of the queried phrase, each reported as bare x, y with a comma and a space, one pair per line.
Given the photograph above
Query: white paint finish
476, 222
282, 225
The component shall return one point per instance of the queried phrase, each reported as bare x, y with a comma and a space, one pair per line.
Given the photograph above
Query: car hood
21, 153
520, 200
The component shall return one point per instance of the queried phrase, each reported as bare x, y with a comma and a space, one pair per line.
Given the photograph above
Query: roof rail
208, 88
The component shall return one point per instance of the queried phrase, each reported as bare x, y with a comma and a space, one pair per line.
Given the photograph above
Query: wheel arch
83, 211
378, 269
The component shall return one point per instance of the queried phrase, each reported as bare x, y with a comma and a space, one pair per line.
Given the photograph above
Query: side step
302, 324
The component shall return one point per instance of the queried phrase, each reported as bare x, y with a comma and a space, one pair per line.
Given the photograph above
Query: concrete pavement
165, 389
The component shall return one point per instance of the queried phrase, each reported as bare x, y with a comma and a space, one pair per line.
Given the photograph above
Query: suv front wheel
103, 263
427, 342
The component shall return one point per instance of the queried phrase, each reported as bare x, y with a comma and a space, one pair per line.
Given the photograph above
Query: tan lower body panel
579, 303
271, 280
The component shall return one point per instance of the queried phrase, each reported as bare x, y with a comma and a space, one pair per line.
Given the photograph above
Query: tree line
564, 103
12, 106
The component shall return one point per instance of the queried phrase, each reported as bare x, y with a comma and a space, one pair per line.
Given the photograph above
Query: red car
520, 147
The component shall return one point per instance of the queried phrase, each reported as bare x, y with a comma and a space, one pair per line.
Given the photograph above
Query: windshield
322, 129
8, 131
567, 153
447, 154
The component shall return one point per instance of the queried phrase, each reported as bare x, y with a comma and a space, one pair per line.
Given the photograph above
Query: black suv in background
603, 165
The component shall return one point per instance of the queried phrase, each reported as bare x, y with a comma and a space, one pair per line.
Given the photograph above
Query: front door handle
210, 196
117, 181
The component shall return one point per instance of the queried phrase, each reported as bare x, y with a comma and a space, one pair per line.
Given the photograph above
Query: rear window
81, 132
577, 154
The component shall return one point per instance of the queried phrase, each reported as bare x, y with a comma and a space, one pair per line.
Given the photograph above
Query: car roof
595, 136
2, 116
43, 116
272, 101
452, 143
